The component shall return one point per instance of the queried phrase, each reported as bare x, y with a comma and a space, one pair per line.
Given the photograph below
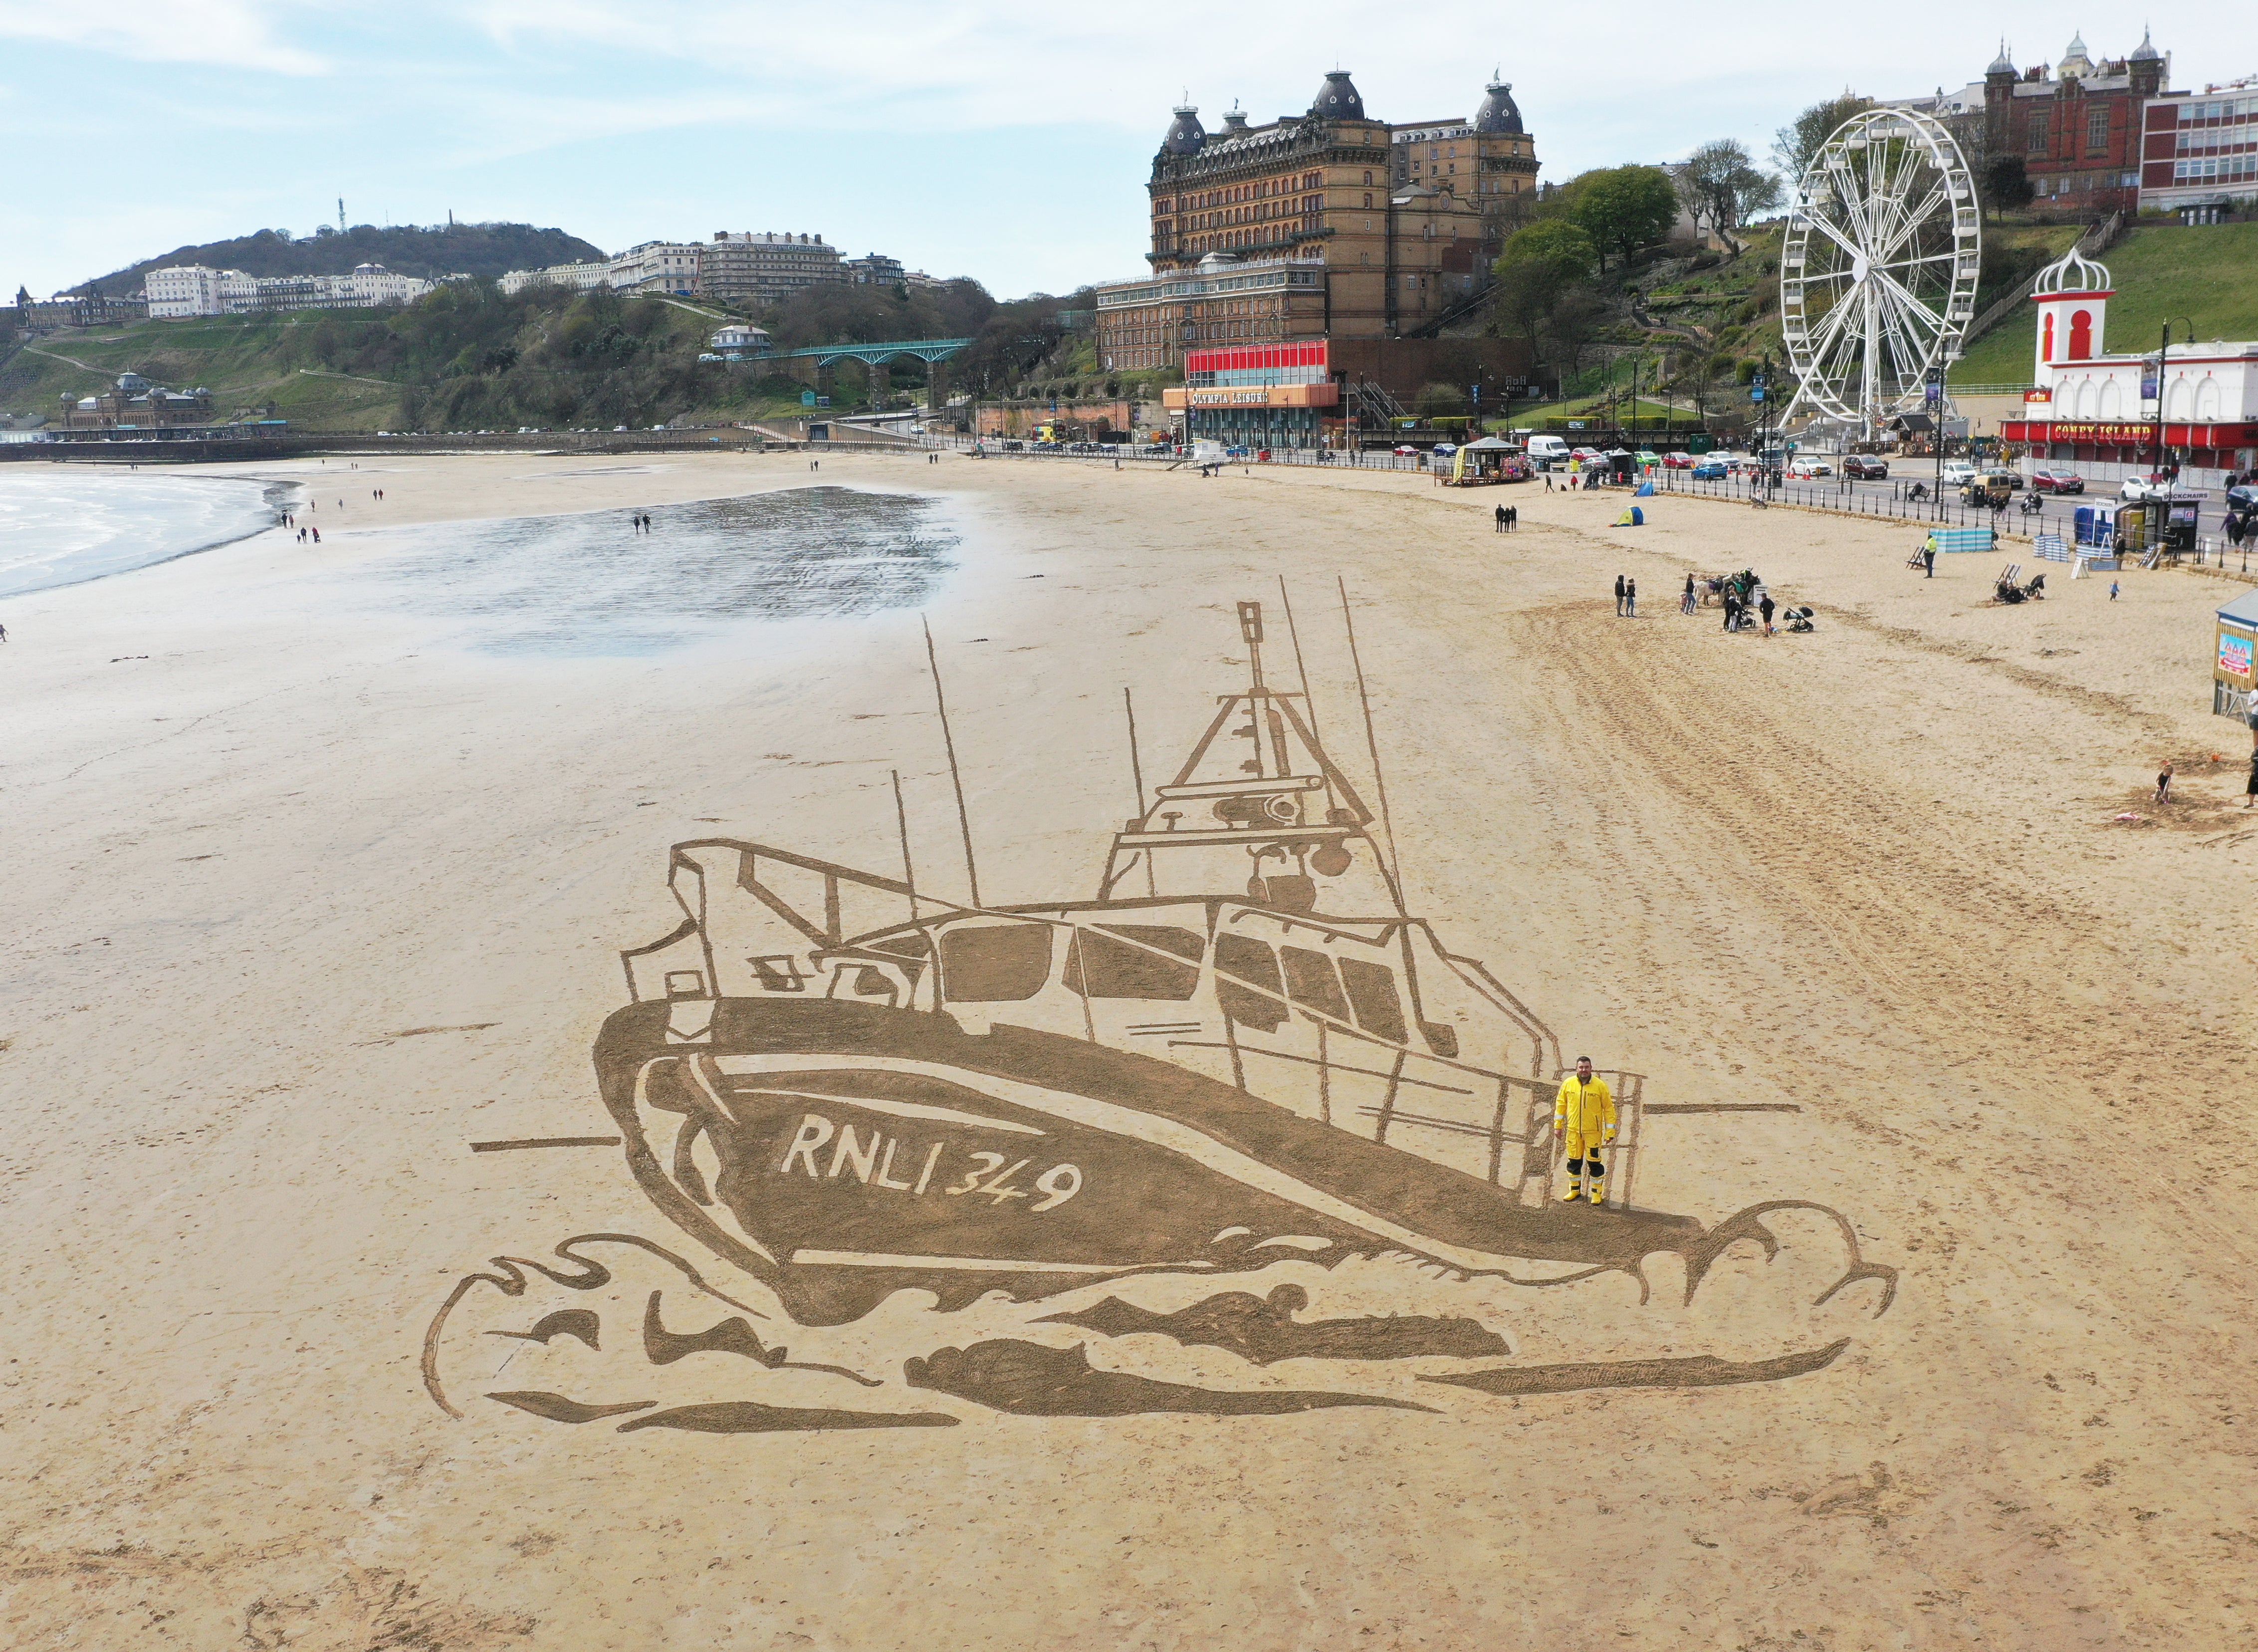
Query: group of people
1509, 518
1736, 604
641, 521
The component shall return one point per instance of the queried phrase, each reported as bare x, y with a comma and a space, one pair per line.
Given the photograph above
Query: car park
1865, 467
2056, 482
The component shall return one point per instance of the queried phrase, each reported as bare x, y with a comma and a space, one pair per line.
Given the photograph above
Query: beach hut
2231, 674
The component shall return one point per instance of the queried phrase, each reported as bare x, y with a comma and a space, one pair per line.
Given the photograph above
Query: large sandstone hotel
1326, 226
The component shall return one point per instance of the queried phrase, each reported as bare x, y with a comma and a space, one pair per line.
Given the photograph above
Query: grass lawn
2208, 274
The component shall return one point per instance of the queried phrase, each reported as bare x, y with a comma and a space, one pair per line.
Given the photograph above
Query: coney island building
2197, 399
1272, 245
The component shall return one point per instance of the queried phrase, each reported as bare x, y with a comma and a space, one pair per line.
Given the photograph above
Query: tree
1794, 144
1439, 401
2005, 187
1538, 266
1722, 188
1576, 321
1623, 208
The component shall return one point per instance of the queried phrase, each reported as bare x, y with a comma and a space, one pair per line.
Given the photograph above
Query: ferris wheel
1878, 270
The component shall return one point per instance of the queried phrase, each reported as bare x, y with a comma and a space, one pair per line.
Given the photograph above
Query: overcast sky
1008, 141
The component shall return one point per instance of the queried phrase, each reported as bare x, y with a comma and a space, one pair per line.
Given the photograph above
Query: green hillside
2208, 274
406, 249
465, 359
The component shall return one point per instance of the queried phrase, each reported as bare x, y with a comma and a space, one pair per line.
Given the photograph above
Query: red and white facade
2087, 406
2199, 154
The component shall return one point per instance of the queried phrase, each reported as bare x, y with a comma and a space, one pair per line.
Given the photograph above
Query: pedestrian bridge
816, 362
929, 350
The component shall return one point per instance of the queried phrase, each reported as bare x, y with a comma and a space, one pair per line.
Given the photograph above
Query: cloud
226, 33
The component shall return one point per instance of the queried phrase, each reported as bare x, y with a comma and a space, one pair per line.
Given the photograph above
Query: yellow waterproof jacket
1584, 1109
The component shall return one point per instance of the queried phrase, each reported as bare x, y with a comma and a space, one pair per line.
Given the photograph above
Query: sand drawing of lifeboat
1242, 1049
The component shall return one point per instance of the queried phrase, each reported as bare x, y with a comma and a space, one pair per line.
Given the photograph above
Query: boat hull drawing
843, 1151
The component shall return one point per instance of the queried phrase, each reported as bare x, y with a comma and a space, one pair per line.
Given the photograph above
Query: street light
2163, 349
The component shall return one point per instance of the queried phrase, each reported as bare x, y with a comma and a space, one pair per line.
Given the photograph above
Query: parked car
2000, 482
1588, 455
1406, 451
1957, 472
2155, 485
1711, 470
1809, 469
1678, 461
1865, 467
1444, 449
2056, 482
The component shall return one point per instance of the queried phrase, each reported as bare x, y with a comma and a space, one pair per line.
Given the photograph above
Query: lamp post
2163, 351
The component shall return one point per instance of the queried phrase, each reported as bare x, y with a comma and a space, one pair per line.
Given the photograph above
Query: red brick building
2078, 127
2200, 157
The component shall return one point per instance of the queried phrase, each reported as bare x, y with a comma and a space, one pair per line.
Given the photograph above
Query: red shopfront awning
2121, 434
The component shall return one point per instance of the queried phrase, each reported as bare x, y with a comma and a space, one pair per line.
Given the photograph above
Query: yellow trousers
1584, 1145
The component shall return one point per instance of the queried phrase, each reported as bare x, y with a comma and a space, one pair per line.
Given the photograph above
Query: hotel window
2096, 129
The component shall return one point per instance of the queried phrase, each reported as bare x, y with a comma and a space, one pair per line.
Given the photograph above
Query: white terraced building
650, 266
194, 289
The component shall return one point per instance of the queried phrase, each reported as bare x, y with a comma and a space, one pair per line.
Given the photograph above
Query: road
2056, 514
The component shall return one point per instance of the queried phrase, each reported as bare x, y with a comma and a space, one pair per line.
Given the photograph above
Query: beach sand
306, 895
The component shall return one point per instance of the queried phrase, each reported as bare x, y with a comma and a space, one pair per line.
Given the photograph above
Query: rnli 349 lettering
872, 1160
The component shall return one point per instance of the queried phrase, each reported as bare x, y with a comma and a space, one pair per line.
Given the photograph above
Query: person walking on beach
1501, 519
1584, 1122
317, 532
1631, 598
1928, 555
1685, 600
1619, 595
2113, 590
1763, 607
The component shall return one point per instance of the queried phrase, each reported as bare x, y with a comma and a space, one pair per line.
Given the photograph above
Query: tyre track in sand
1923, 908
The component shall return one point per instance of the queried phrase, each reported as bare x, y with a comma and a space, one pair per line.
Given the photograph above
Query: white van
1550, 450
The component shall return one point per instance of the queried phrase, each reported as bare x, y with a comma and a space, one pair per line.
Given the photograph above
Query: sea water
591, 584
62, 524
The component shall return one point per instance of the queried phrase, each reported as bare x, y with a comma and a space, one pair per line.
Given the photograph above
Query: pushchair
1796, 619
2005, 589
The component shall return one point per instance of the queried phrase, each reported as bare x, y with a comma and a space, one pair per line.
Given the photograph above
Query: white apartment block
652, 267
193, 289
580, 278
760, 267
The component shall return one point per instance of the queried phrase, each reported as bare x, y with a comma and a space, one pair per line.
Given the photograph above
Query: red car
2056, 482
1678, 461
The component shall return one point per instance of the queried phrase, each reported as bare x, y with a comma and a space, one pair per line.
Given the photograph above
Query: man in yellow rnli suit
1584, 1119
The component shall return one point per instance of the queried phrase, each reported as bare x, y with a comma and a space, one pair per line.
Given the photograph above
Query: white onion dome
2072, 272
